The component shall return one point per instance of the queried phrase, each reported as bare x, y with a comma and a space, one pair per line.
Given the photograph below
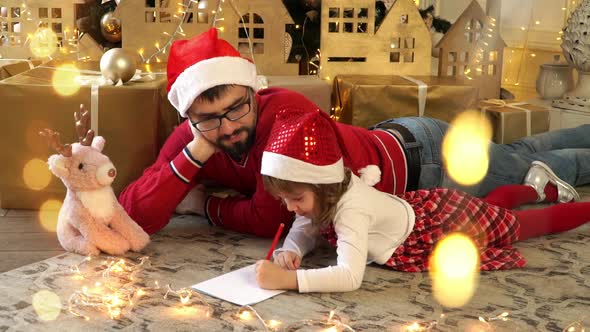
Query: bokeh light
48, 214
454, 270
64, 80
466, 148
36, 174
43, 43
47, 305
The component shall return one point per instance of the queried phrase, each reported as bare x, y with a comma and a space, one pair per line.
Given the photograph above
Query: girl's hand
272, 276
288, 260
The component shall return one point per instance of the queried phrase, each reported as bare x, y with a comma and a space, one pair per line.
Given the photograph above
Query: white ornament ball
117, 64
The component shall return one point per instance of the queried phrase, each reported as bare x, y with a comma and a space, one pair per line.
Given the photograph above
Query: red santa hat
202, 62
303, 147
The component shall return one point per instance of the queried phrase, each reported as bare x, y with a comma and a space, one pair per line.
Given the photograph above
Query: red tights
536, 222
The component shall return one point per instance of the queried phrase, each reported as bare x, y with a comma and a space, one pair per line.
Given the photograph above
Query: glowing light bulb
245, 315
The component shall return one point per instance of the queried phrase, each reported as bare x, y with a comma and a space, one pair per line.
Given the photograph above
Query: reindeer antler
85, 134
54, 142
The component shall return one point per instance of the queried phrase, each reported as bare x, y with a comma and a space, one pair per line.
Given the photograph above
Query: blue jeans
566, 151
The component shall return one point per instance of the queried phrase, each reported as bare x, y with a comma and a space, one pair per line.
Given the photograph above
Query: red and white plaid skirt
440, 212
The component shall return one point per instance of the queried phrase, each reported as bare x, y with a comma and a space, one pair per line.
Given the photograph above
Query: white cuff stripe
175, 170
189, 158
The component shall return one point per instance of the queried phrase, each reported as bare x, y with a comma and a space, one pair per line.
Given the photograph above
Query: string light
576, 326
188, 6
420, 326
482, 54
501, 317
114, 286
332, 323
116, 292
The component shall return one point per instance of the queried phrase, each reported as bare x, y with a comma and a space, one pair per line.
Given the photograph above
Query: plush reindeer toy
91, 219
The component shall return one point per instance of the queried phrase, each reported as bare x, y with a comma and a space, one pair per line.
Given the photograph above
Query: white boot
540, 174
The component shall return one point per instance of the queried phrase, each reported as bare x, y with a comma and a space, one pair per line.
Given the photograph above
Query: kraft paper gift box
512, 121
312, 87
11, 67
135, 119
364, 100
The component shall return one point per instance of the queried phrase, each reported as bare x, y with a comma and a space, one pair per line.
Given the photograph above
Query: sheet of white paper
237, 287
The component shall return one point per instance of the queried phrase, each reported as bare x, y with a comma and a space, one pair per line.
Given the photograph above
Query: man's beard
237, 150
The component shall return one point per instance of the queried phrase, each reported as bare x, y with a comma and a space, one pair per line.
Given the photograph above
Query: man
223, 140
228, 126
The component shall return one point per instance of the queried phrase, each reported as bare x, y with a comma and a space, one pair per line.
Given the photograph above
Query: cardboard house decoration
144, 24
19, 19
350, 45
459, 46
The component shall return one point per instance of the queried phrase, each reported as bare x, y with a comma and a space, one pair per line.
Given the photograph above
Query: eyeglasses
233, 114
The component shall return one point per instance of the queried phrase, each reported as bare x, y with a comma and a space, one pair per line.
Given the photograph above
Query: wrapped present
134, 118
312, 87
364, 100
11, 67
511, 121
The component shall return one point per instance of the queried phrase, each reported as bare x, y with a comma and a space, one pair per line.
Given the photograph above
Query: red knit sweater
152, 199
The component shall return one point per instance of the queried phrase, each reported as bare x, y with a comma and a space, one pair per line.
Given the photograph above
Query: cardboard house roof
473, 10
401, 6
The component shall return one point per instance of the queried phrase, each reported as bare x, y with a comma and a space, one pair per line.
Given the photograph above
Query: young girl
302, 165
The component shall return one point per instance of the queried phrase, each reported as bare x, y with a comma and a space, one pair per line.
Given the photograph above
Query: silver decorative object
554, 79
116, 64
576, 48
110, 27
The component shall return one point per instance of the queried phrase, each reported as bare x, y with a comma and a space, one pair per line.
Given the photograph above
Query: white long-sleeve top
369, 224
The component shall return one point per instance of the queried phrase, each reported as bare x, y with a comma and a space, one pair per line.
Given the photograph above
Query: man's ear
58, 165
98, 143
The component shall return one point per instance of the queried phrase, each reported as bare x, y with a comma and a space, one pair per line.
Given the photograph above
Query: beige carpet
552, 292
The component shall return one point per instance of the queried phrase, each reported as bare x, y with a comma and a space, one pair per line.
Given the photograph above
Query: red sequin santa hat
202, 62
303, 147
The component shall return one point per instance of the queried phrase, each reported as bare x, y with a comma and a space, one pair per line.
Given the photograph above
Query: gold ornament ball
110, 27
116, 64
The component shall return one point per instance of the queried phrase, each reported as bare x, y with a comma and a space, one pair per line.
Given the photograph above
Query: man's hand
200, 148
272, 276
193, 202
288, 260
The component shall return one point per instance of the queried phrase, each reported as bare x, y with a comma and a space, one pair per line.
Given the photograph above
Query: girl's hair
326, 195
424, 12
439, 24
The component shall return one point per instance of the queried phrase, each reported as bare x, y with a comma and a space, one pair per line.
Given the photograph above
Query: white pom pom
371, 174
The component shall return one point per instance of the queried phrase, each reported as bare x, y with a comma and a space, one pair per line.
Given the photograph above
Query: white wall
529, 48
452, 9
516, 14
525, 14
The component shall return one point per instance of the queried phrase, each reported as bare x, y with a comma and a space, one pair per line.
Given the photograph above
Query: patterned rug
548, 295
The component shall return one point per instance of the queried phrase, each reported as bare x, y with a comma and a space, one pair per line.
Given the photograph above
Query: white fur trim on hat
208, 73
371, 174
291, 169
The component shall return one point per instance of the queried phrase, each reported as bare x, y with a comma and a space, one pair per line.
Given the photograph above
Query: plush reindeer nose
112, 172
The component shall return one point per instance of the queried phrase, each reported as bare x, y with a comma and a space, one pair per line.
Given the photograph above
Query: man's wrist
198, 152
